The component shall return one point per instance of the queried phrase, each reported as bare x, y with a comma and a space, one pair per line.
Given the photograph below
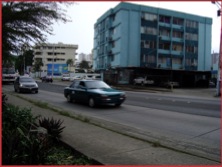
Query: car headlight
36, 85
21, 85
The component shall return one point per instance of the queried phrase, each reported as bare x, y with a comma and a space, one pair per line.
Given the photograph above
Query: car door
82, 92
73, 90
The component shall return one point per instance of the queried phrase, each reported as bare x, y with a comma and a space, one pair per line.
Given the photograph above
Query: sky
85, 14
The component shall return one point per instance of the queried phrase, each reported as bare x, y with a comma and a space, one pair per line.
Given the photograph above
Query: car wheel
69, 99
91, 102
36, 91
142, 83
18, 90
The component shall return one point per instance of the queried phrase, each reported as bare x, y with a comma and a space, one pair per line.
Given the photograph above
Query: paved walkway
109, 147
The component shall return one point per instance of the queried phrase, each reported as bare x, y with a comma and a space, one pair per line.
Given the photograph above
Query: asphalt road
202, 107
193, 123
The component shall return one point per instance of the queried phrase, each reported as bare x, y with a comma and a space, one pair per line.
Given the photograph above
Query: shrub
14, 117
4, 101
19, 146
53, 127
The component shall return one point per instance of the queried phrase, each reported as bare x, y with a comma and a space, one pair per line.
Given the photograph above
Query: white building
54, 57
86, 57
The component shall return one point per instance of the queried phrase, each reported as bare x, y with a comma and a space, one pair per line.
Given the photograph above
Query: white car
143, 81
65, 77
75, 78
97, 77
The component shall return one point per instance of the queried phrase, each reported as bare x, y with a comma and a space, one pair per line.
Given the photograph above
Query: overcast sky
85, 14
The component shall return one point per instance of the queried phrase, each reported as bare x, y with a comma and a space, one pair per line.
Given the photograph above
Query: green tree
25, 59
28, 22
69, 63
37, 66
84, 65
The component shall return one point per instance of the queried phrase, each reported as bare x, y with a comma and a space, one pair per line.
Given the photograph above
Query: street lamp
53, 53
218, 93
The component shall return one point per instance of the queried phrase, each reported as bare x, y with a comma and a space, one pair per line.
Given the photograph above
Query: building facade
138, 36
54, 57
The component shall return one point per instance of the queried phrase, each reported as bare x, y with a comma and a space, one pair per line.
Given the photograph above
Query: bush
53, 127
24, 142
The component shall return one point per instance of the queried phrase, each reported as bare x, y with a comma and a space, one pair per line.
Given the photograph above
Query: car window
26, 80
82, 84
96, 85
74, 84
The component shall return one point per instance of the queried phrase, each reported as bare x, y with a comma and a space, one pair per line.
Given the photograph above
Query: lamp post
53, 53
218, 93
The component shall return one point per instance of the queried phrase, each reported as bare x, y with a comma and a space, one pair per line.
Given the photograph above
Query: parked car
143, 81
75, 78
168, 84
97, 77
65, 77
47, 78
94, 92
88, 76
212, 84
25, 84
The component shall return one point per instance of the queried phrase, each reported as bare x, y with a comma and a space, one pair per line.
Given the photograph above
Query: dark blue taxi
93, 93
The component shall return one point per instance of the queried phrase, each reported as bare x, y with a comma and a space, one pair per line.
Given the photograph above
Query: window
149, 16
164, 33
164, 19
177, 47
191, 62
164, 45
191, 49
177, 61
113, 44
149, 30
177, 21
113, 31
191, 24
162, 60
148, 59
177, 34
191, 36
38, 53
82, 84
148, 44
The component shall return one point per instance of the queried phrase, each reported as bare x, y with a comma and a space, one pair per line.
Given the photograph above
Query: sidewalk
109, 147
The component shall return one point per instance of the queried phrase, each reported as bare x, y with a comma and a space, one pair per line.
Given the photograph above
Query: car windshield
96, 85
26, 80
8, 71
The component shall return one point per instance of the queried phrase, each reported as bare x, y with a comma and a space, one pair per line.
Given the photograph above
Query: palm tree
69, 63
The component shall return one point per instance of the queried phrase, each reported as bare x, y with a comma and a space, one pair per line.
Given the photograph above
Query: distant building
140, 40
84, 57
54, 57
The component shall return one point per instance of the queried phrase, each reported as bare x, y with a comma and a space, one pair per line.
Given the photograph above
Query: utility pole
218, 93
53, 52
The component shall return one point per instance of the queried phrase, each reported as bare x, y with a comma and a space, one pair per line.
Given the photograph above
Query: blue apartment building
133, 40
